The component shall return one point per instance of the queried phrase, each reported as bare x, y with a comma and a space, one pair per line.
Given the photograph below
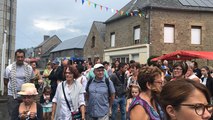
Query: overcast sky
64, 18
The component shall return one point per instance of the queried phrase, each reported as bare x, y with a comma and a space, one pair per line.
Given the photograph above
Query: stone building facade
42, 51
125, 47
8, 24
164, 26
95, 43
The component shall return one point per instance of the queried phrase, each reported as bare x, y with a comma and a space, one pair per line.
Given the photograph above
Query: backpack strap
90, 81
107, 83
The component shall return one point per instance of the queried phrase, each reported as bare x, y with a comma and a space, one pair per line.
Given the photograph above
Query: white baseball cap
96, 66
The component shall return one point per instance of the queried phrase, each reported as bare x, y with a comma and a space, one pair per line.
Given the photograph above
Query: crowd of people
71, 90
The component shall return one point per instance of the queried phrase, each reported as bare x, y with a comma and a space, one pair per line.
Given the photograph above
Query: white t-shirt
83, 80
20, 77
204, 81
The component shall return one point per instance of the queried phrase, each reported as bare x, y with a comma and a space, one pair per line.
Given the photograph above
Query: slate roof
47, 53
41, 44
101, 27
163, 4
73, 43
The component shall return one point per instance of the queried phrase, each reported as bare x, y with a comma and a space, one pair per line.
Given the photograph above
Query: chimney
46, 37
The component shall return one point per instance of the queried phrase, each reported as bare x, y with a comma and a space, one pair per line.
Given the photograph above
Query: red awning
31, 59
186, 55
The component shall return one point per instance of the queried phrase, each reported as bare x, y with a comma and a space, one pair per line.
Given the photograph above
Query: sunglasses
27, 96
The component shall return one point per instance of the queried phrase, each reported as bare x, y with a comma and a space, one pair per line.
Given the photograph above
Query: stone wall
98, 49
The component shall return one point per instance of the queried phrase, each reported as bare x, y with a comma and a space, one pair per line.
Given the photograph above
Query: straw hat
28, 89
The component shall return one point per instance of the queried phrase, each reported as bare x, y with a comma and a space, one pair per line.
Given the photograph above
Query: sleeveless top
153, 115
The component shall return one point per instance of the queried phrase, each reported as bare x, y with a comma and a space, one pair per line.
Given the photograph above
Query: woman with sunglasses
68, 101
28, 109
186, 99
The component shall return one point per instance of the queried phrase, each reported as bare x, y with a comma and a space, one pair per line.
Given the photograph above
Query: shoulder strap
88, 83
107, 82
65, 96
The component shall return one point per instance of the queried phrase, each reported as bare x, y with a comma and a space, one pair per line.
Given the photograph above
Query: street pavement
3, 108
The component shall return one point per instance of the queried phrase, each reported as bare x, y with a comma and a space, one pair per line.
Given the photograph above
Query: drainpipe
10, 31
149, 30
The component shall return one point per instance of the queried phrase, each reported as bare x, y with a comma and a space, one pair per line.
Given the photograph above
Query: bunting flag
140, 14
127, 13
117, 12
106, 8
122, 12
112, 10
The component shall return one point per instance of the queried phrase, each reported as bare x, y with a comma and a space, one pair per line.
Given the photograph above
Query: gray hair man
100, 95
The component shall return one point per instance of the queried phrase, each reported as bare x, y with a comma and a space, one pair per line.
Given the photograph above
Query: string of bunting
95, 5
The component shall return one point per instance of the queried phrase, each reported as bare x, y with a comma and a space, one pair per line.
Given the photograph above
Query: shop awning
186, 55
31, 59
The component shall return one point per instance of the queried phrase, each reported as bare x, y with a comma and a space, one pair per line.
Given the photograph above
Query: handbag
75, 115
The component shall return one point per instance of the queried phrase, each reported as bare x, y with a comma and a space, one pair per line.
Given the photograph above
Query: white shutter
113, 40
137, 34
195, 35
169, 34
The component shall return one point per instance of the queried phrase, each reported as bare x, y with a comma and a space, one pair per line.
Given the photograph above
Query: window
124, 59
169, 33
135, 57
93, 42
195, 35
137, 31
112, 39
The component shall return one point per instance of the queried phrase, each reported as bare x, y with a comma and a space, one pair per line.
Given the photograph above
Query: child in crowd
134, 91
46, 102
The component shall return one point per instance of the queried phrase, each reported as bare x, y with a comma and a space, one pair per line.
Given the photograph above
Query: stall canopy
31, 59
186, 55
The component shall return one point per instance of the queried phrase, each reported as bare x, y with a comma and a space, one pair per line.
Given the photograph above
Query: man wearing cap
15, 75
55, 76
91, 74
99, 98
